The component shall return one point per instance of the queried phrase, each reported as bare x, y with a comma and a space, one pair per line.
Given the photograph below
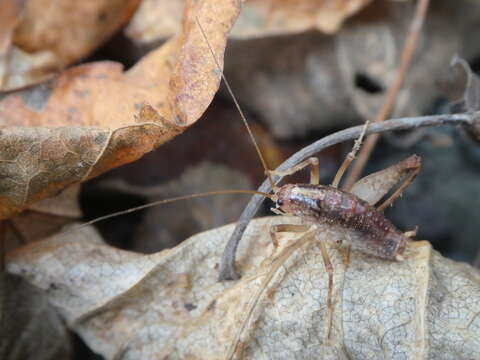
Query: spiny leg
274, 229
406, 182
350, 156
314, 170
411, 233
329, 270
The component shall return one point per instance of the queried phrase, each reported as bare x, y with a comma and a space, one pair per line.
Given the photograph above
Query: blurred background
297, 85
301, 70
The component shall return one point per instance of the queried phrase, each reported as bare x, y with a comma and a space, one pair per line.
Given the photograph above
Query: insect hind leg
275, 229
412, 170
412, 233
329, 269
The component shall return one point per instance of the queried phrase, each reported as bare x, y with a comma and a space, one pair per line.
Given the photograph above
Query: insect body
369, 230
352, 212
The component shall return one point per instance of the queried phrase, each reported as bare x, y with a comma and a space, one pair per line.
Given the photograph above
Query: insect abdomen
368, 228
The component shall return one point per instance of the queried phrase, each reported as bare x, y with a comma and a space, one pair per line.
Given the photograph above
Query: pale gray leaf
169, 304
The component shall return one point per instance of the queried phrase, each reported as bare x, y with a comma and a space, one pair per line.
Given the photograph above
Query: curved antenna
237, 105
166, 201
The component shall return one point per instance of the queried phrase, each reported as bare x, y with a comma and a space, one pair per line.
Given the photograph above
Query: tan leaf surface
157, 19
95, 116
169, 304
45, 35
9, 18
42, 219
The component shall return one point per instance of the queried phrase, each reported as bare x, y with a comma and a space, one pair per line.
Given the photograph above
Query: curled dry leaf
45, 36
95, 117
471, 96
156, 19
169, 304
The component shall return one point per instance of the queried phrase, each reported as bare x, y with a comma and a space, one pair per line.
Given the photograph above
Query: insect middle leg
314, 170
275, 229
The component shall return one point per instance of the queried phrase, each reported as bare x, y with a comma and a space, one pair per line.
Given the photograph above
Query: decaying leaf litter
184, 282
94, 117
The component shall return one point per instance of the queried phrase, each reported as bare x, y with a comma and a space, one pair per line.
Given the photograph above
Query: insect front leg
294, 228
314, 170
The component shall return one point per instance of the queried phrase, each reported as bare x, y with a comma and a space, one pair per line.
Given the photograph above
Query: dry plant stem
392, 92
227, 262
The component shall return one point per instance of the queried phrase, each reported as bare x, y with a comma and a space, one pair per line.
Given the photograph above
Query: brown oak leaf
94, 117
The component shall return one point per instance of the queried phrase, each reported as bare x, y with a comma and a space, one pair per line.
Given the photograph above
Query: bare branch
227, 263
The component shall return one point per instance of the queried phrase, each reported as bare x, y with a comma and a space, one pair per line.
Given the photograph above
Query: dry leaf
471, 95
45, 35
273, 17
10, 16
31, 327
169, 304
156, 20
312, 82
94, 117
64, 204
232, 163
42, 219
163, 227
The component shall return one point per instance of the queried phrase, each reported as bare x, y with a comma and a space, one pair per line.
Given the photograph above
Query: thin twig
227, 262
392, 92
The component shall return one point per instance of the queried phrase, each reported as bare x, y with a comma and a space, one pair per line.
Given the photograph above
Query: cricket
273, 226
354, 211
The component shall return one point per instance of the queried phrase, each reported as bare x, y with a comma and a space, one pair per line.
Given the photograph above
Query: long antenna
237, 105
166, 201
205, 194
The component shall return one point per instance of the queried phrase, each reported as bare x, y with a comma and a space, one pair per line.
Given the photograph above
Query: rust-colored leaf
48, 35
94, 117
157, 19
9, 18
